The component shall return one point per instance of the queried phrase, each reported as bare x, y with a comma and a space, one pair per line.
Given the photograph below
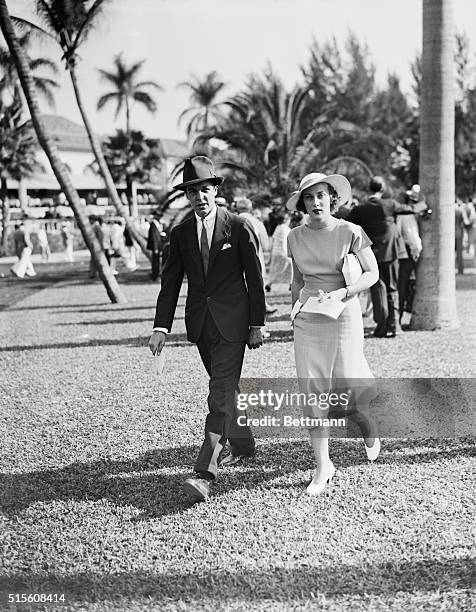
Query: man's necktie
204, 248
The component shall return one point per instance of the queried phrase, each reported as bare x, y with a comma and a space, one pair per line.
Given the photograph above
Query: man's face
202, 198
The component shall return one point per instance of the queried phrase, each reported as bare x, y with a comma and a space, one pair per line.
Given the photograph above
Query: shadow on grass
106, 321
273, 584
134, 341
127, 482
141, 482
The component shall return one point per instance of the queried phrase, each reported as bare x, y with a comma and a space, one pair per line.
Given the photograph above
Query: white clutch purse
351, 269
328, 308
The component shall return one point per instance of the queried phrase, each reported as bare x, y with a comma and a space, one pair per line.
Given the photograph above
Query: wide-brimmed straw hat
337, 181
197, 170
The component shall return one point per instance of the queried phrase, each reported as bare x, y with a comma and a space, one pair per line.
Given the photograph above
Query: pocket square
226, 246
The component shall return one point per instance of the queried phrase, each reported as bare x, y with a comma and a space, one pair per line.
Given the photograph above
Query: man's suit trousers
385, 298
223, 361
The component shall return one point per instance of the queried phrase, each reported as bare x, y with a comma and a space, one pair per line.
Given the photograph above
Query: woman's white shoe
318, 484
374, 451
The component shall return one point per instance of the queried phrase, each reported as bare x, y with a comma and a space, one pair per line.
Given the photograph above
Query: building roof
68, 135
174, 148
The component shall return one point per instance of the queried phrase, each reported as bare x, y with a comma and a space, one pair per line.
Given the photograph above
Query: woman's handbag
351, 269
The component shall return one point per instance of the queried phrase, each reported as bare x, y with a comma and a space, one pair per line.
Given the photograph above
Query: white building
75, 151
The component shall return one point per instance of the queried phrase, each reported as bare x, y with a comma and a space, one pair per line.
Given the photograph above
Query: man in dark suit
377, 217
224, 311
155, 243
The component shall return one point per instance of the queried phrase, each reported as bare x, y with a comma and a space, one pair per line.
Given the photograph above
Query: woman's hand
338, 294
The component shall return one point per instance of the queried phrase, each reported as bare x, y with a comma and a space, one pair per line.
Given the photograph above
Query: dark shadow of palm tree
284, 587
107, 322
172, 340
146, 482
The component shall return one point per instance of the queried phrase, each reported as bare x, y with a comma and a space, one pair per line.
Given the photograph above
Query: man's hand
255, 339
156, 342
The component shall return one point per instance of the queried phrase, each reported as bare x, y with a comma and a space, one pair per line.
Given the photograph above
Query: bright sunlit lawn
95, 449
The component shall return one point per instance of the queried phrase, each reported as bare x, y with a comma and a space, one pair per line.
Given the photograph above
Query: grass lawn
95, 449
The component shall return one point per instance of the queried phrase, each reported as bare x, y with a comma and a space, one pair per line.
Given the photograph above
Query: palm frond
89, 21
149, 84
146, 100
23, 25
43, 62
44, 89
106, 98
108, 76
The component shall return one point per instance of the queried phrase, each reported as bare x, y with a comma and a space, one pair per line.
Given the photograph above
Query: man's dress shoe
230, 460
197, 488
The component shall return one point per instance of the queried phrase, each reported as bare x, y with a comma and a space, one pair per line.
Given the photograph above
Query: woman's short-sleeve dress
328, 351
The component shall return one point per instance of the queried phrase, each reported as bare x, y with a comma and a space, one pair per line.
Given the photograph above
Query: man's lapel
219, 235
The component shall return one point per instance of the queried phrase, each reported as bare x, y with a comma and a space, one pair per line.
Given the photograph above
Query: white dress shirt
209, 223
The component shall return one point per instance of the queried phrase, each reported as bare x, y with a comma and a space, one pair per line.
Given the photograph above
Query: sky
178, 38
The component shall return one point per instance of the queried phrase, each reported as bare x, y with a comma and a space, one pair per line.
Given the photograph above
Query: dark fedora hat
197, 170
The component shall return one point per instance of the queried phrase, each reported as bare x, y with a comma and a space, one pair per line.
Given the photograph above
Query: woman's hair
280, 216
335, 203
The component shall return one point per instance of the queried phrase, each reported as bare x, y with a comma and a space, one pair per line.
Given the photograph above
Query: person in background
343, 211
460, 222
407, 225
131, 250
68, 240
280, 268
155, 243
117, 244
23, 250
470, 227
244, 208
42, 237
297, 219
221, 202
377, 217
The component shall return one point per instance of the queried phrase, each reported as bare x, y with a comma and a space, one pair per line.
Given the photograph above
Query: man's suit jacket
377, 217
155, 240
233, 304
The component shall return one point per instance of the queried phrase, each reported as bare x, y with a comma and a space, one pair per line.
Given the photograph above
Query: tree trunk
435, 300
128, 117
106, 174
18, 55
5, 214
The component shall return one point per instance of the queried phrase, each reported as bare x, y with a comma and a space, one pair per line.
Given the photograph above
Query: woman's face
317, 201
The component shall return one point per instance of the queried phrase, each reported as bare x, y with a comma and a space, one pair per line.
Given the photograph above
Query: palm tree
204, 111
435, 302
17, 155
113, 290
69, 24
264, 135
132, 158
127, 89
43, 84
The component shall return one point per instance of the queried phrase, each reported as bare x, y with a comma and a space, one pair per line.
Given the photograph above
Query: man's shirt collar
209, 219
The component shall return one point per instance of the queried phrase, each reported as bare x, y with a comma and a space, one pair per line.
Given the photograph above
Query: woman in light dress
280, 270
329, 352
